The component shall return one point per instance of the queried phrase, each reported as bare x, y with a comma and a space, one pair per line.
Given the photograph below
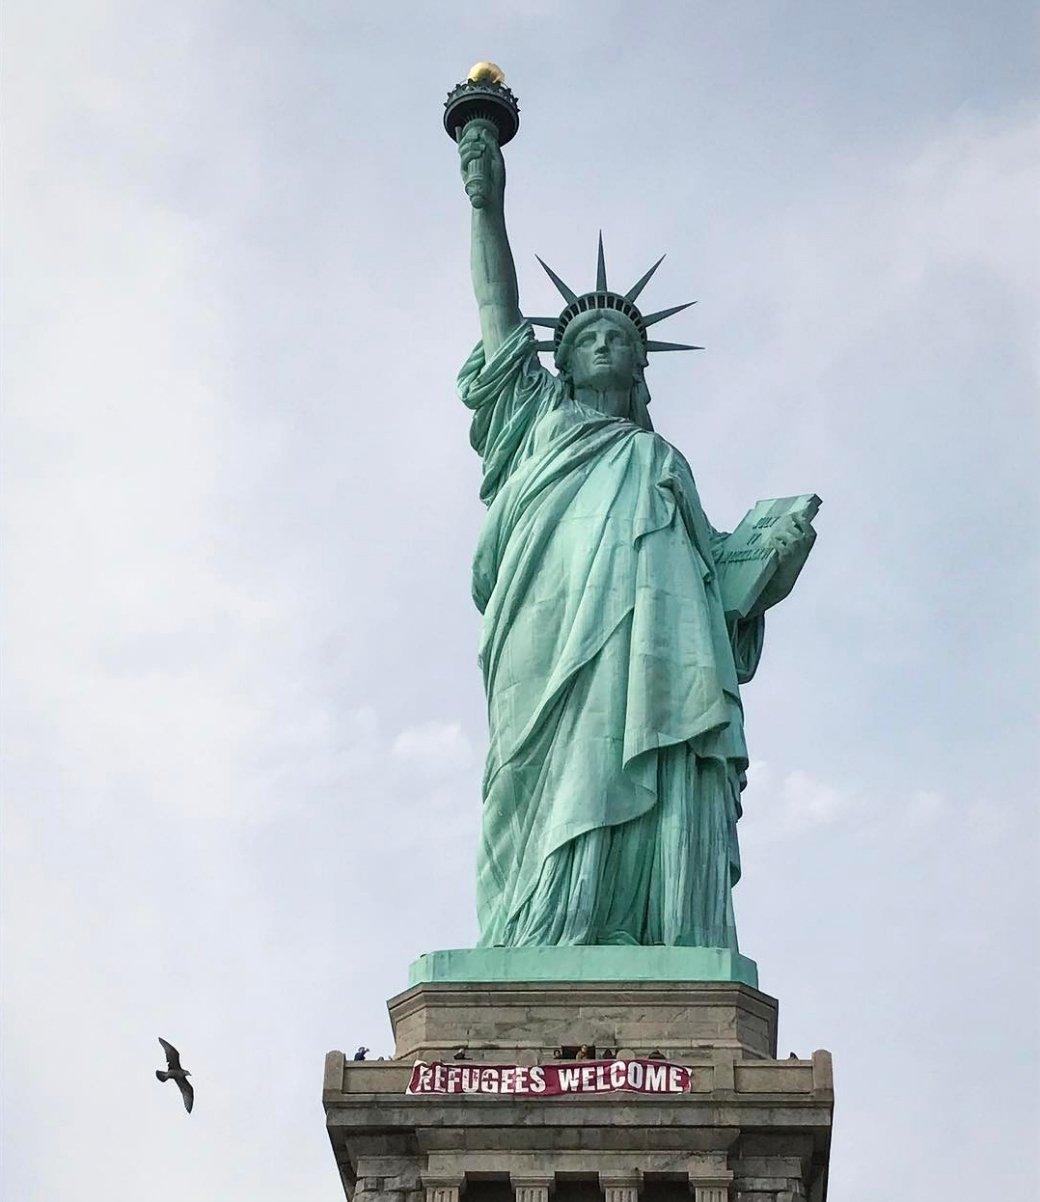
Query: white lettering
617, 1074
675, 1081
537, 1079
635, 1074
569, 1079
655, 1074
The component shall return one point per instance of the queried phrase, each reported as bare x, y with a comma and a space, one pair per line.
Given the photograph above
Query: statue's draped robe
617, 755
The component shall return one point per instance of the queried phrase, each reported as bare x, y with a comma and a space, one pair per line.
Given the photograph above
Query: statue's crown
602, 298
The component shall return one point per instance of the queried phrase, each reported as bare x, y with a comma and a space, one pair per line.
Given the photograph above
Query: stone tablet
747, 562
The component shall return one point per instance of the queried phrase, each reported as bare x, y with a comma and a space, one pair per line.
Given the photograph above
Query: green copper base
583, 963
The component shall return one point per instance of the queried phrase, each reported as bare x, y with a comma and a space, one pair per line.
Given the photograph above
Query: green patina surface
613, 658
489, 964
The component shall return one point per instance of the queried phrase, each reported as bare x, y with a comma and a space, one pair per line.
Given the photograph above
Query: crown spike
601, 267
544, 346
568, 294
653, 318
638, 287
671, 346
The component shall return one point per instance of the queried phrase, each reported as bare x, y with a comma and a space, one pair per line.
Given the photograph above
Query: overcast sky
244, 721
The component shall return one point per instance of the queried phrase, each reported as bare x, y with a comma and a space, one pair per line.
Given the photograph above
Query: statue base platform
583, 963
533, 1020
750, 1128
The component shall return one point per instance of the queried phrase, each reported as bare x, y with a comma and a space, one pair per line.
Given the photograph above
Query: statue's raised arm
491, 260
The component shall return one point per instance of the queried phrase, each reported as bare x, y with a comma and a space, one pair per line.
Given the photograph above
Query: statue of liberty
611, 665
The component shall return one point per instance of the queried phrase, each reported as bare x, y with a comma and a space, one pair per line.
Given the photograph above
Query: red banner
549, 1080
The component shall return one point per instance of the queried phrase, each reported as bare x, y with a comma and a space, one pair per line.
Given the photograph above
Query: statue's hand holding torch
483, 168
481, 114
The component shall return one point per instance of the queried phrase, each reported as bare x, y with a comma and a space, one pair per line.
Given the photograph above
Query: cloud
807, 801
435, 748
782, 806
926, 807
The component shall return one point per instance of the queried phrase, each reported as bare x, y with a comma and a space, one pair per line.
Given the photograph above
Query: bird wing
187, 1093
173, 1057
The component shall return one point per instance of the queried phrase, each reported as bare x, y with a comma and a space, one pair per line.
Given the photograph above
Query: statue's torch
483, 97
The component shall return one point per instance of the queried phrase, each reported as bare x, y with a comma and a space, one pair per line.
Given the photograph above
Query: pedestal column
531, 1187
443, 1189
620, 1187
711, 1186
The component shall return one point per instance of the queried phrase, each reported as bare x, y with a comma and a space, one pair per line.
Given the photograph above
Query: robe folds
617, 754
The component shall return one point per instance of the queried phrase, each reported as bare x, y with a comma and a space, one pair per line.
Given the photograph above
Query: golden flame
486, 73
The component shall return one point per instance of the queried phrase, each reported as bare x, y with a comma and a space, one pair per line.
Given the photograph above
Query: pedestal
750, 1129
532, 1019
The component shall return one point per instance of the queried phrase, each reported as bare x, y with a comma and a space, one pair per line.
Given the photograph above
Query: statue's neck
611, 402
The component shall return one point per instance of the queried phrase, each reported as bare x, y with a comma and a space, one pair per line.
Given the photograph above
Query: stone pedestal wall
675, 1018
751, 1128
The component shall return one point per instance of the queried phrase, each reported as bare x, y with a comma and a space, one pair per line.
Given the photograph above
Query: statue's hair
639, 396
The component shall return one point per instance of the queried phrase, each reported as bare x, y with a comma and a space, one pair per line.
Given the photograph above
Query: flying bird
176, 1073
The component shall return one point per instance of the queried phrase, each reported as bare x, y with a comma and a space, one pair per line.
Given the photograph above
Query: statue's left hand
792, 538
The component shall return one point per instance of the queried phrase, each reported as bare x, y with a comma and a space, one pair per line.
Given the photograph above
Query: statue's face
603, 354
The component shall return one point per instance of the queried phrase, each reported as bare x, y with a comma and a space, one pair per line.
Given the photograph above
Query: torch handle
475, 173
